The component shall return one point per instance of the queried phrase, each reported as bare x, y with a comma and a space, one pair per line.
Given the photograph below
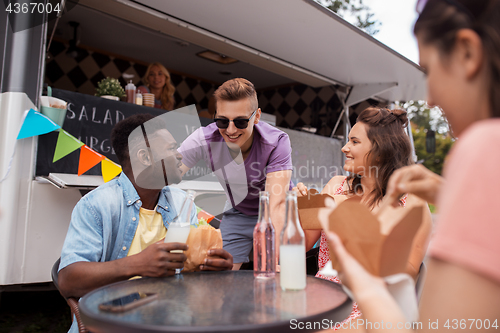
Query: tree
359, 11
432, 161
424, 119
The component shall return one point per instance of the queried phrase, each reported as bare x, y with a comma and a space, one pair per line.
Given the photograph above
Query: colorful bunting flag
66, 143
88, 159
36, 123
203, 215
109, 170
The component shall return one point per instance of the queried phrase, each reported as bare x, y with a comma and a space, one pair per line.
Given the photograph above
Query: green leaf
109, 86
364, 18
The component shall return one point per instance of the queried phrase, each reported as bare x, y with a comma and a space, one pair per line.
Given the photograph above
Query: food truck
313, 72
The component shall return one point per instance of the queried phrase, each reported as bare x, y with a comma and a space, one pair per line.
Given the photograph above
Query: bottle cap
130, 85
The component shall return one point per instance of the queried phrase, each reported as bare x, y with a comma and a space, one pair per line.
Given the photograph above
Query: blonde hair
235, 90
167, 93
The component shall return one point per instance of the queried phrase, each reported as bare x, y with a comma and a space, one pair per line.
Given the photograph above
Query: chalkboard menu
89, 119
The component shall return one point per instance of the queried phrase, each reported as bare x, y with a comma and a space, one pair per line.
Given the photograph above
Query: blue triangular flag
36, 123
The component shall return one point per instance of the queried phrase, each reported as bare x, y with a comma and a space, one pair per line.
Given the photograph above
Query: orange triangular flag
109, 170
88, 158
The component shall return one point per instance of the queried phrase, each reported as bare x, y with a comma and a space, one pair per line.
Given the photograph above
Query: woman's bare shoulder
333, 184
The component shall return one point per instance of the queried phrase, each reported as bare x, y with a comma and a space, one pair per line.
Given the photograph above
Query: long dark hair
440, 21
391, 149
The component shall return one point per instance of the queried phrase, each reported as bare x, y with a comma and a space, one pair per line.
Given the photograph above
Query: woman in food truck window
377, 146
157, 80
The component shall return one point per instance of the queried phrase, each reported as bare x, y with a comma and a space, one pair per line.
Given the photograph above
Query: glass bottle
178, 230
292, 248
264, 253
138, 98
130, 91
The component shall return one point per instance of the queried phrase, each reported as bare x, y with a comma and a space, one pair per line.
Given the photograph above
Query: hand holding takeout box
382, 244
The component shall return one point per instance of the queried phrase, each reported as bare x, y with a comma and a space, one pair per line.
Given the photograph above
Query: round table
229, 301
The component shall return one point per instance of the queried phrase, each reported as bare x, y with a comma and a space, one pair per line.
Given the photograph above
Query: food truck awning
301, 40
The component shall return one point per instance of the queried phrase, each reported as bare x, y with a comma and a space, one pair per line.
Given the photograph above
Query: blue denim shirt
104, 221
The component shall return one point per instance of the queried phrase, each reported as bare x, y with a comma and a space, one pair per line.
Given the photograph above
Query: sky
396, 31
397, 18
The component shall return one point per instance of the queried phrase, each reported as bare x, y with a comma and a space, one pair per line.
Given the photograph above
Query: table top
226, 301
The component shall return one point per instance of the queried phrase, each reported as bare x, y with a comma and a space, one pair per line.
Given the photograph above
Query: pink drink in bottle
264, 255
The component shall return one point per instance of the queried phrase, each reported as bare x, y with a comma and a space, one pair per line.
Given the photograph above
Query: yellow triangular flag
109, 169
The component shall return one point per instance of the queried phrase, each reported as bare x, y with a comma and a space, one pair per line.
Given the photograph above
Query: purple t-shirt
271, 151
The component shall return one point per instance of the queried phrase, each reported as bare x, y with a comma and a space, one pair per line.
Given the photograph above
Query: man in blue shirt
117, 230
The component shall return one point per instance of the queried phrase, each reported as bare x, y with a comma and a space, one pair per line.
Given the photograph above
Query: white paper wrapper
53, 102
400, 286
328, 270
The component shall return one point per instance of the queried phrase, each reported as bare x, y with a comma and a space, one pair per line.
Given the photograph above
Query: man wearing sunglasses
247, 156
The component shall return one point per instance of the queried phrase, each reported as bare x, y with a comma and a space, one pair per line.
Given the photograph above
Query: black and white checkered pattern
300, 105
294, 106
81, 74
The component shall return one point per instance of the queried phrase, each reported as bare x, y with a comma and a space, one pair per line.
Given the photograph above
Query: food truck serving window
90, 119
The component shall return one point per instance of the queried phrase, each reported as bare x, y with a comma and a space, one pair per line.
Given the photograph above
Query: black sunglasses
422, 3
240, 123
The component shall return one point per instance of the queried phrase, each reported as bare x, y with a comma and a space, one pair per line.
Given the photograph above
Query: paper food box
200, 240
382, 244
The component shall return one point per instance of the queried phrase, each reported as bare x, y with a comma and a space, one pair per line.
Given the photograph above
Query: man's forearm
278, 220
79, 278
278, 217
277, 183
